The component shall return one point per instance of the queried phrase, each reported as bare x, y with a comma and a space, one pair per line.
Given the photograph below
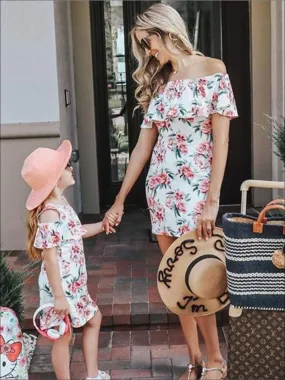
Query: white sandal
101, 375
223, 370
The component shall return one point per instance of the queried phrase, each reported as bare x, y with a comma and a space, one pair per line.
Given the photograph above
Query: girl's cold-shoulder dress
179, 175
66, 236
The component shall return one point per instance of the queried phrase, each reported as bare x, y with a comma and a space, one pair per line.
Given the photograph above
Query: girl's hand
207, 220
61, 305
108, 223
113, 216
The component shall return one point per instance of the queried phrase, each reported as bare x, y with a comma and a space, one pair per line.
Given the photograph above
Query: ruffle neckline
188, 98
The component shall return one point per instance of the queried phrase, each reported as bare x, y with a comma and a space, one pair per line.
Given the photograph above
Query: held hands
113, 217
61, 305
207, 220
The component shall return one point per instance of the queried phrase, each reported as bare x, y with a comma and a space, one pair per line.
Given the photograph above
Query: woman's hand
113, 216
207, 220
61, 305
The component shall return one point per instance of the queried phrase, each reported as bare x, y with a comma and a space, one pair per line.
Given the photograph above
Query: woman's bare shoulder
214, 65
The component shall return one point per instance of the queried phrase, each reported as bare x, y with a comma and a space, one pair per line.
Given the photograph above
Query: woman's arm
206, 224
138, 159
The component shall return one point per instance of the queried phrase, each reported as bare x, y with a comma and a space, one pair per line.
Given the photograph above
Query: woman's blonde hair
164, 20
32, 224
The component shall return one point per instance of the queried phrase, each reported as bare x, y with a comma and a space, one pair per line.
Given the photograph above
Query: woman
188, 103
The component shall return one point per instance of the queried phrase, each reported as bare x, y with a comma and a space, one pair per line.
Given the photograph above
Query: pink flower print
199, 207
202, 91
160, 158
215, 96
190, 119
162, 124
201, 161
204, 185
153, 182
83, 279
172, 112
74, 286
178, 195
222, 84
186, 172
159, 216
23, 361
56, 238
160, 108
183, 148
207, 127
151, 202
181, 206
170, 143
163, 179
169, 201
75, 248
71, 224
195, 111
66, 268
204, 148
180, 138
1, 329
184, 229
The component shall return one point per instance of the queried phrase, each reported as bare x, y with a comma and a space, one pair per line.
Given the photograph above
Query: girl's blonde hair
32, 224
165, 21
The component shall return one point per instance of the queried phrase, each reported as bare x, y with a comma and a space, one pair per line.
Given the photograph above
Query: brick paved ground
137, 354
139, 340
121, 275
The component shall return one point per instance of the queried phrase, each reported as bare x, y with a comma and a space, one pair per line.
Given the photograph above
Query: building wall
277, 79
32, 110
261, 96
81, 34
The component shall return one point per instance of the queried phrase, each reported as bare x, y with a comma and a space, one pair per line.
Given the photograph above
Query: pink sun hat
42, 170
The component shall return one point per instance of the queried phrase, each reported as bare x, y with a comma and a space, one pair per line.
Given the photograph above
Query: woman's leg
188, 323
60, 357
90, 344
208, 328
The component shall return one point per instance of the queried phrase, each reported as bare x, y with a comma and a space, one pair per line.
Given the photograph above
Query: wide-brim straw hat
42, 170
192, 275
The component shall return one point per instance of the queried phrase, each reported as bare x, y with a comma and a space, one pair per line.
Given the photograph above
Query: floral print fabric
66, 236
179, 175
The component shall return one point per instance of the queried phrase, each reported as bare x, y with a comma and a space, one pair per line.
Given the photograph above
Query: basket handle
276, 202
261, 220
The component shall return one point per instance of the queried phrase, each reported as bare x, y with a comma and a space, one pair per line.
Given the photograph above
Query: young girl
55, 236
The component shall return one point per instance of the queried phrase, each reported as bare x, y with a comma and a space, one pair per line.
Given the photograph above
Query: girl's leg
90, 344
208, 328
188, 323
60, 357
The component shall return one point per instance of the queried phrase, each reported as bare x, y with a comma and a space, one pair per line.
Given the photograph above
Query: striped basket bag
255, 260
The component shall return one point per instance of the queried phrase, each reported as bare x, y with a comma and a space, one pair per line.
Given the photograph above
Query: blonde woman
187, 102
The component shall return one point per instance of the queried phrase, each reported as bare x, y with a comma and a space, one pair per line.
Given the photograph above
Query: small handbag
256, 283
255, 253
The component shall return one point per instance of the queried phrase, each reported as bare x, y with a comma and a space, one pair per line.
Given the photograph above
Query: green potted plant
276, 131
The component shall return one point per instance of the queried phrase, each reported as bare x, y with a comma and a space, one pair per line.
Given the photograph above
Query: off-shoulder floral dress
179, 175
66, 236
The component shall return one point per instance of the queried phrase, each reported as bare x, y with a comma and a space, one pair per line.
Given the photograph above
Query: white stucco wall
29, 87
277, 79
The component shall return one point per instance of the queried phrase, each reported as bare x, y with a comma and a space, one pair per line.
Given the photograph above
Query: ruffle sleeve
49, 235
223, 101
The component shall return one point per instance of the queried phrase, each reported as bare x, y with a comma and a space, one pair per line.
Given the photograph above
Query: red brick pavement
136, 354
